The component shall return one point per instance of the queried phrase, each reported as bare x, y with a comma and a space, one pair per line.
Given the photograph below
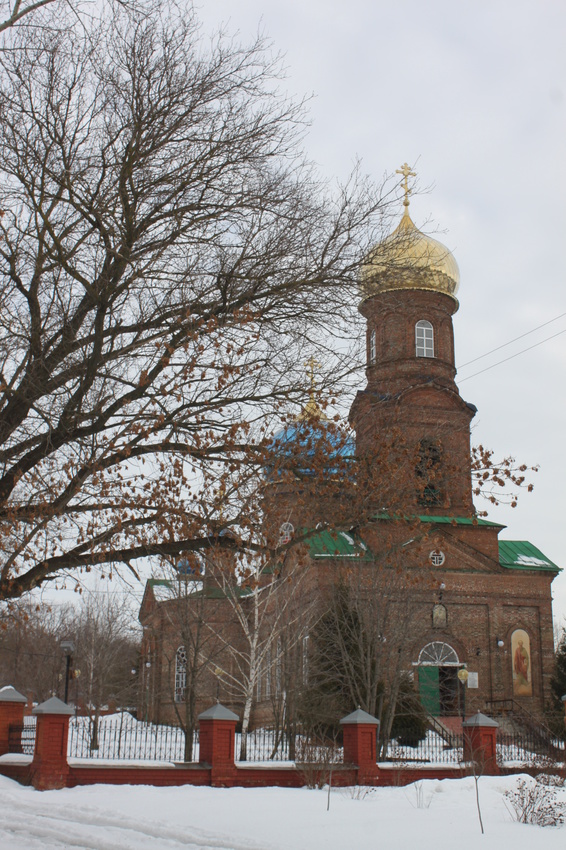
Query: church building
474, 608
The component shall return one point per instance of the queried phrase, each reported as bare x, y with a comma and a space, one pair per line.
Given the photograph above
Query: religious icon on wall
522, 668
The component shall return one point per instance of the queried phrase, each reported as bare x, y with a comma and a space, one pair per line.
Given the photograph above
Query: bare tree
169, 260
268, 606
15, 11
105, 653
31, 658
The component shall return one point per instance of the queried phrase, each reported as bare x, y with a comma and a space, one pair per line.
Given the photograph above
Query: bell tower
408, 286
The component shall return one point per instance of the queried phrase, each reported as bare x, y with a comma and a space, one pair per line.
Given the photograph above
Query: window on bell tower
372, 347
429, 473
424, 339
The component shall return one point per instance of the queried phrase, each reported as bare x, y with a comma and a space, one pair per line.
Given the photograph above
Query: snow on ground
431, 815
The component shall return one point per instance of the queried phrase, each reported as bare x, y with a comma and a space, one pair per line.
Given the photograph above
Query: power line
511, 341
499, 362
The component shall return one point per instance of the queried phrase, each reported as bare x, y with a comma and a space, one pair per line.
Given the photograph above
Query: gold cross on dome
405, 170
312, 409
312, 364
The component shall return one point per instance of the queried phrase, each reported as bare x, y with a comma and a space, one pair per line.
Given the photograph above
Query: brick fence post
49, 768
217, 733
360, 744
480, 734
11, 714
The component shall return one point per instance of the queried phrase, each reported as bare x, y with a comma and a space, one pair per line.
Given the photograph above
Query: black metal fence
267, 744
528, 746
432, 749
121, 736
21, 738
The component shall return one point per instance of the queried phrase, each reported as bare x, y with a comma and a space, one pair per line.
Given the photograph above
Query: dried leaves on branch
499, 482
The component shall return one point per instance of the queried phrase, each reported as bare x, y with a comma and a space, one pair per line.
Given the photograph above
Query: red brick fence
50, 768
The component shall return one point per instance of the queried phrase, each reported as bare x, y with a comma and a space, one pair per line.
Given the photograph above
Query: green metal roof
522, 555
210, 591
461, 520
442, 520
337, 544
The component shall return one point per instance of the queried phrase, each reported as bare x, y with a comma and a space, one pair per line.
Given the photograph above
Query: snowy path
26, 822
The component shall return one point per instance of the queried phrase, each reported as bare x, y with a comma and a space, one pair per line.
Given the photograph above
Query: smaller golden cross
311, 364
405, 170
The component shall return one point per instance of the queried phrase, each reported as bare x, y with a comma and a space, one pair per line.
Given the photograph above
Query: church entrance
438, 679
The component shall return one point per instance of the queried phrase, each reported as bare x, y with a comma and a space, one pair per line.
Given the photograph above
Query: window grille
180, 674
438, 654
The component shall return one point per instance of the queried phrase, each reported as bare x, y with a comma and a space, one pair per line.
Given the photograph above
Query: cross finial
311, 366
312, 410
405, 170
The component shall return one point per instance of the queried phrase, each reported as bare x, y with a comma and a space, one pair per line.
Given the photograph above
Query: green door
429, 689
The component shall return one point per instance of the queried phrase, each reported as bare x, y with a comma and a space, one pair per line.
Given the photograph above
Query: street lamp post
68, 648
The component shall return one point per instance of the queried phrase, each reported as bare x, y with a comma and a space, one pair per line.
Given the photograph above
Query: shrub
536, 803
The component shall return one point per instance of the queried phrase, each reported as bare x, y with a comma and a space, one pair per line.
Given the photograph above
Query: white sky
474, 95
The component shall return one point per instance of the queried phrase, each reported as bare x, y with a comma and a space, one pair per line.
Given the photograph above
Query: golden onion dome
409, 259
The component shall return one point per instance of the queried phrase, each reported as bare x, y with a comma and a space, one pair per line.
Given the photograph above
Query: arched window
424, 339
372, 347
438, 654
429, 473
305, 659
180, 674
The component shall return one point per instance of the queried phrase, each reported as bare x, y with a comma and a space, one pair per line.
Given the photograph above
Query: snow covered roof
10, 694
522, 555
337, 544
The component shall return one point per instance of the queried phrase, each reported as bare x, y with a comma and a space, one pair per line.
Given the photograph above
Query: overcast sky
473, 95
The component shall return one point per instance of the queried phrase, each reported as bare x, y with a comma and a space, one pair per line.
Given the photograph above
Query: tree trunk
245, 727
94, 729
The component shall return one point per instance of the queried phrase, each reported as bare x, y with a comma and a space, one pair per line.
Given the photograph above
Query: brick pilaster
480, 734
49, 768
217, 732
360, 744
12, 705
